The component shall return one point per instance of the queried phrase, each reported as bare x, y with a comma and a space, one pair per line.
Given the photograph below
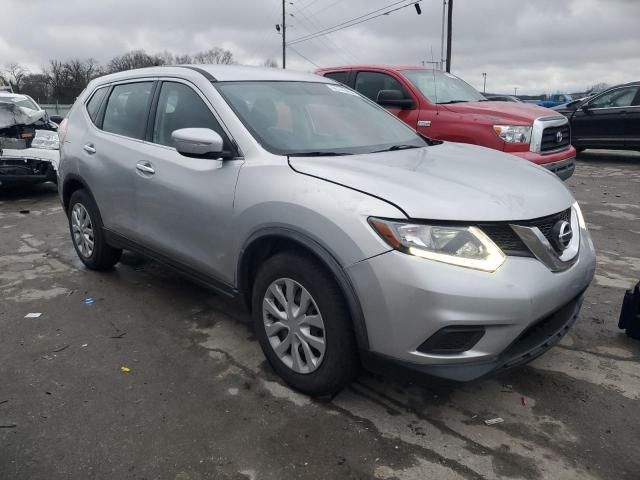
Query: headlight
513, 133
581, 223
46, 139
463, 246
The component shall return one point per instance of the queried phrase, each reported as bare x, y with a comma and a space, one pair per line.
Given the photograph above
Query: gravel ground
199, 401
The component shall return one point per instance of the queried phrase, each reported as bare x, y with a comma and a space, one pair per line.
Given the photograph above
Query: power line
310, 61
353, 19
324, 38
307, 5
353, 22
326, 7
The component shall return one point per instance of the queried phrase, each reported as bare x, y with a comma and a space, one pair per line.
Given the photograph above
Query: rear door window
127, 108
93, 105
371, 83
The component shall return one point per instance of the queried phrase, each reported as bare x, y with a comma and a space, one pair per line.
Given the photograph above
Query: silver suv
347, 235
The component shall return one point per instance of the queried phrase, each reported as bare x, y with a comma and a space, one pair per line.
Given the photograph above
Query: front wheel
303, 325
85, 225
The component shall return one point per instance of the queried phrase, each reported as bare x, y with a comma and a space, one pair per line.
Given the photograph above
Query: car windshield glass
442, 87
317, 119
21, 102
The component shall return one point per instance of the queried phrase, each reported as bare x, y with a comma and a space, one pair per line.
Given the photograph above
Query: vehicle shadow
41, 191
617, 156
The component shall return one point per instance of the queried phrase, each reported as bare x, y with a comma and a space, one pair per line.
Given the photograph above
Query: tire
100, 256
580, 149
339, 364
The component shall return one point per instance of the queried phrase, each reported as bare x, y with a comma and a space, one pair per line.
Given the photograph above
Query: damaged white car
29, 144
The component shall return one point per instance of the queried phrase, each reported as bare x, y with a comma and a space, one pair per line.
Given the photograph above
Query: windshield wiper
317, 154
454, 101
397, 147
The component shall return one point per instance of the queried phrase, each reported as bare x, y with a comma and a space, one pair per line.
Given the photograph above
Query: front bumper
28, 166
407, 299
561, 163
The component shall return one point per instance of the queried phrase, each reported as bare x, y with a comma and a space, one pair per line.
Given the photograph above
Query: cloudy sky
534, 45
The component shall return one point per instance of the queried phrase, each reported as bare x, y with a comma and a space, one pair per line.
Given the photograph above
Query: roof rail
201, 71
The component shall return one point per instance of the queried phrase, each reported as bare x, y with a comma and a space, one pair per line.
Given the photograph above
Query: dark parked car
610, 119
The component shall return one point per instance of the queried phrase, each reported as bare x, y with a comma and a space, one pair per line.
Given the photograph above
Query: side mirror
197, 142
56, 118
394, 98
585, 107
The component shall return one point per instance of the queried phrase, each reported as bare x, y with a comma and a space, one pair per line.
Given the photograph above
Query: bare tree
36, 85
13, 75
56, 74
166, 57
270, 62
183, 59
133, 59
215, 55
598, 87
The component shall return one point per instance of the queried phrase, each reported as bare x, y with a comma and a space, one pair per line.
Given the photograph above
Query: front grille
510, 243
504, 236
549, 140
545, 224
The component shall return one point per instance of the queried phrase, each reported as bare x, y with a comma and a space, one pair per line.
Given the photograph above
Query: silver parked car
348, 236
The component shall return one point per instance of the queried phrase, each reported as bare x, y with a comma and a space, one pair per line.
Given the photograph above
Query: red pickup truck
442, 106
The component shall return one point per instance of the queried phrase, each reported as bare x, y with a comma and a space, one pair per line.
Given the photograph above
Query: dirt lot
199, 401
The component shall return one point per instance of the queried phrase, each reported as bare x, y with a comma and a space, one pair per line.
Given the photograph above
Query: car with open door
610, 119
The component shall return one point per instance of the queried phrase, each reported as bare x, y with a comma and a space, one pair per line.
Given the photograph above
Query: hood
492, 112
12, 114
451, 181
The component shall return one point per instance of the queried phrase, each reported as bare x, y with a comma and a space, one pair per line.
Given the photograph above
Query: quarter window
337, 76
370, 83
93, 105
126, 111
179, 106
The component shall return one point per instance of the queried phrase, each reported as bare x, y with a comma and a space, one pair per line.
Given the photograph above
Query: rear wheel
85, 225
303, 325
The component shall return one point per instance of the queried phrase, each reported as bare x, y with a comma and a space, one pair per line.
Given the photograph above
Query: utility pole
442, 60
484, 82
284, 36
515, 91
449, 29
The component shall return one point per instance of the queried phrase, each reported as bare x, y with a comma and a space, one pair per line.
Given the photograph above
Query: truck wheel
303, 325
85, 225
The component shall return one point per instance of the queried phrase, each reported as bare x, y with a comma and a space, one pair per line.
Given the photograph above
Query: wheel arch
269, 241
72, 183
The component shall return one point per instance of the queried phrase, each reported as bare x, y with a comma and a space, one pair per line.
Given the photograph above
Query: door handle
145, 167
89, 148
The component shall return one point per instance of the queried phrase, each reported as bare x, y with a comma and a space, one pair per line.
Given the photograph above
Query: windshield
20, 101
303, 118
442, 87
